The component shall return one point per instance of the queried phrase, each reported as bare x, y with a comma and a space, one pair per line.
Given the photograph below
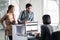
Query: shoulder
23, 11
51, 26
31, 13
44, 27
6, 14
4, 17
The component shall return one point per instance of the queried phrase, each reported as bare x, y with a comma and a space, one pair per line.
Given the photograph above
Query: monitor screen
20, 29
32, 27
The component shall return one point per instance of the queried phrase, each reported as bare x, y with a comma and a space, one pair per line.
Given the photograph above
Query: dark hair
9, 7
28, 5
46, 19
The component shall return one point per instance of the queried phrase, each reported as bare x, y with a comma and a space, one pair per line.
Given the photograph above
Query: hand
19, 21
37, 33
27, 22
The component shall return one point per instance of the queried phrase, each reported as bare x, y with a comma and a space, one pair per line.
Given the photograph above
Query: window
51, 7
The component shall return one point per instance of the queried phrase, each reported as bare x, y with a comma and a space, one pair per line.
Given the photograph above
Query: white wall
58, 27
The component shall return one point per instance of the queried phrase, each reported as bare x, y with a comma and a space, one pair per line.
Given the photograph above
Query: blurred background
39, 7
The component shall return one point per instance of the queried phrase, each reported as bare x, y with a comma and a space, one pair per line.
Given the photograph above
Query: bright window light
51, 7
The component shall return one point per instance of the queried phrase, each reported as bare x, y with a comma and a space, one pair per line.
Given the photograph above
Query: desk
18, 32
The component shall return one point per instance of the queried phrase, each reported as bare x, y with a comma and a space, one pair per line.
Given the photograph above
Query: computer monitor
18, 32
32, 26
20, 29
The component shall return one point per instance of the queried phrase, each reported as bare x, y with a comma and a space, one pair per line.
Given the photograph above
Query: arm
2, 20
14, 17
31, 18
19, 18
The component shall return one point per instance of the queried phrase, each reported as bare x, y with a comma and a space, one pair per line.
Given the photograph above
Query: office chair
56, 35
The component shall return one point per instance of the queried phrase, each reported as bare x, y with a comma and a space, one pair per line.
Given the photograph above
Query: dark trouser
10, 37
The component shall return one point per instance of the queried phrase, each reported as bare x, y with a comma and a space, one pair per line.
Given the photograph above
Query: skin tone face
12, 10
29, 8
10, 16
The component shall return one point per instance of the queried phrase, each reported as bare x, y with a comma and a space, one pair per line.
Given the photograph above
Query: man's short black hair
28, 5
46, 19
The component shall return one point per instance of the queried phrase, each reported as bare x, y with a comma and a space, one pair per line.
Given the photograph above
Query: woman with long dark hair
9, 19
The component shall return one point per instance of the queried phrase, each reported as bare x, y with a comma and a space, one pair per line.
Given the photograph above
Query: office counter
18, 32
21, 31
